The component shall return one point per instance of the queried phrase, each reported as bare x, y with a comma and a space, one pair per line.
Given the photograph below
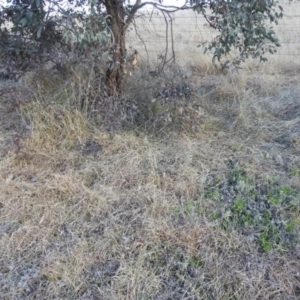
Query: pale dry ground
206, 207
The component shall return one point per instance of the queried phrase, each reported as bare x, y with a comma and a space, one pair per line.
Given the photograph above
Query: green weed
263, 207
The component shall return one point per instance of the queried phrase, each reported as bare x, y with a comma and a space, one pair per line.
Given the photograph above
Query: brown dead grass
86, 214
90, 214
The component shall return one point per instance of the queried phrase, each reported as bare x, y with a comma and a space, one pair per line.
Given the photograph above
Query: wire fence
188, 30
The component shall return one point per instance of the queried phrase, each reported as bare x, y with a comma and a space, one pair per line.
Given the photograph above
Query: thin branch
164, 59
165, 8
144, 44
209, 22
167, 38
133, 11
109, 29
172, 37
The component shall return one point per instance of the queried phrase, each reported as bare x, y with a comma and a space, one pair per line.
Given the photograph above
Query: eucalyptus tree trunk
114, 75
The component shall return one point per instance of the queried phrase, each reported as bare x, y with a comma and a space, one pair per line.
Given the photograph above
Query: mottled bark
114, 75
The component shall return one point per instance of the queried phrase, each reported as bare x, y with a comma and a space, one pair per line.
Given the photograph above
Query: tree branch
133, 11
165, 8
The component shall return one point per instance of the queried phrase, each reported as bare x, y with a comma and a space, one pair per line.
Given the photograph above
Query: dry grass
204, 205
86, 214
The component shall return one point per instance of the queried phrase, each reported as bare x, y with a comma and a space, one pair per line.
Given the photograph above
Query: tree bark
114, 75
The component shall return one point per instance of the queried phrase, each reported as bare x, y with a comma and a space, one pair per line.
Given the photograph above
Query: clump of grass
55, 127
168, 103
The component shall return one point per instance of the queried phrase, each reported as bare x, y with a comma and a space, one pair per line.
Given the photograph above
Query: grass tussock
194, 196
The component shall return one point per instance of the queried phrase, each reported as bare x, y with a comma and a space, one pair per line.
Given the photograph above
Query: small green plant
269, 239
196, 262
190, 207
239, 206
291, 226
264, 207
295, 172
287, 191
214, 195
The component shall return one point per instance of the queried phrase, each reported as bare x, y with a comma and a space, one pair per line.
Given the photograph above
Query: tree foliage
31, 29
245, 26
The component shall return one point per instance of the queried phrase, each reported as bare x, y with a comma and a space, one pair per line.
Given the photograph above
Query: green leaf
23, 22
29, 14
39, 32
